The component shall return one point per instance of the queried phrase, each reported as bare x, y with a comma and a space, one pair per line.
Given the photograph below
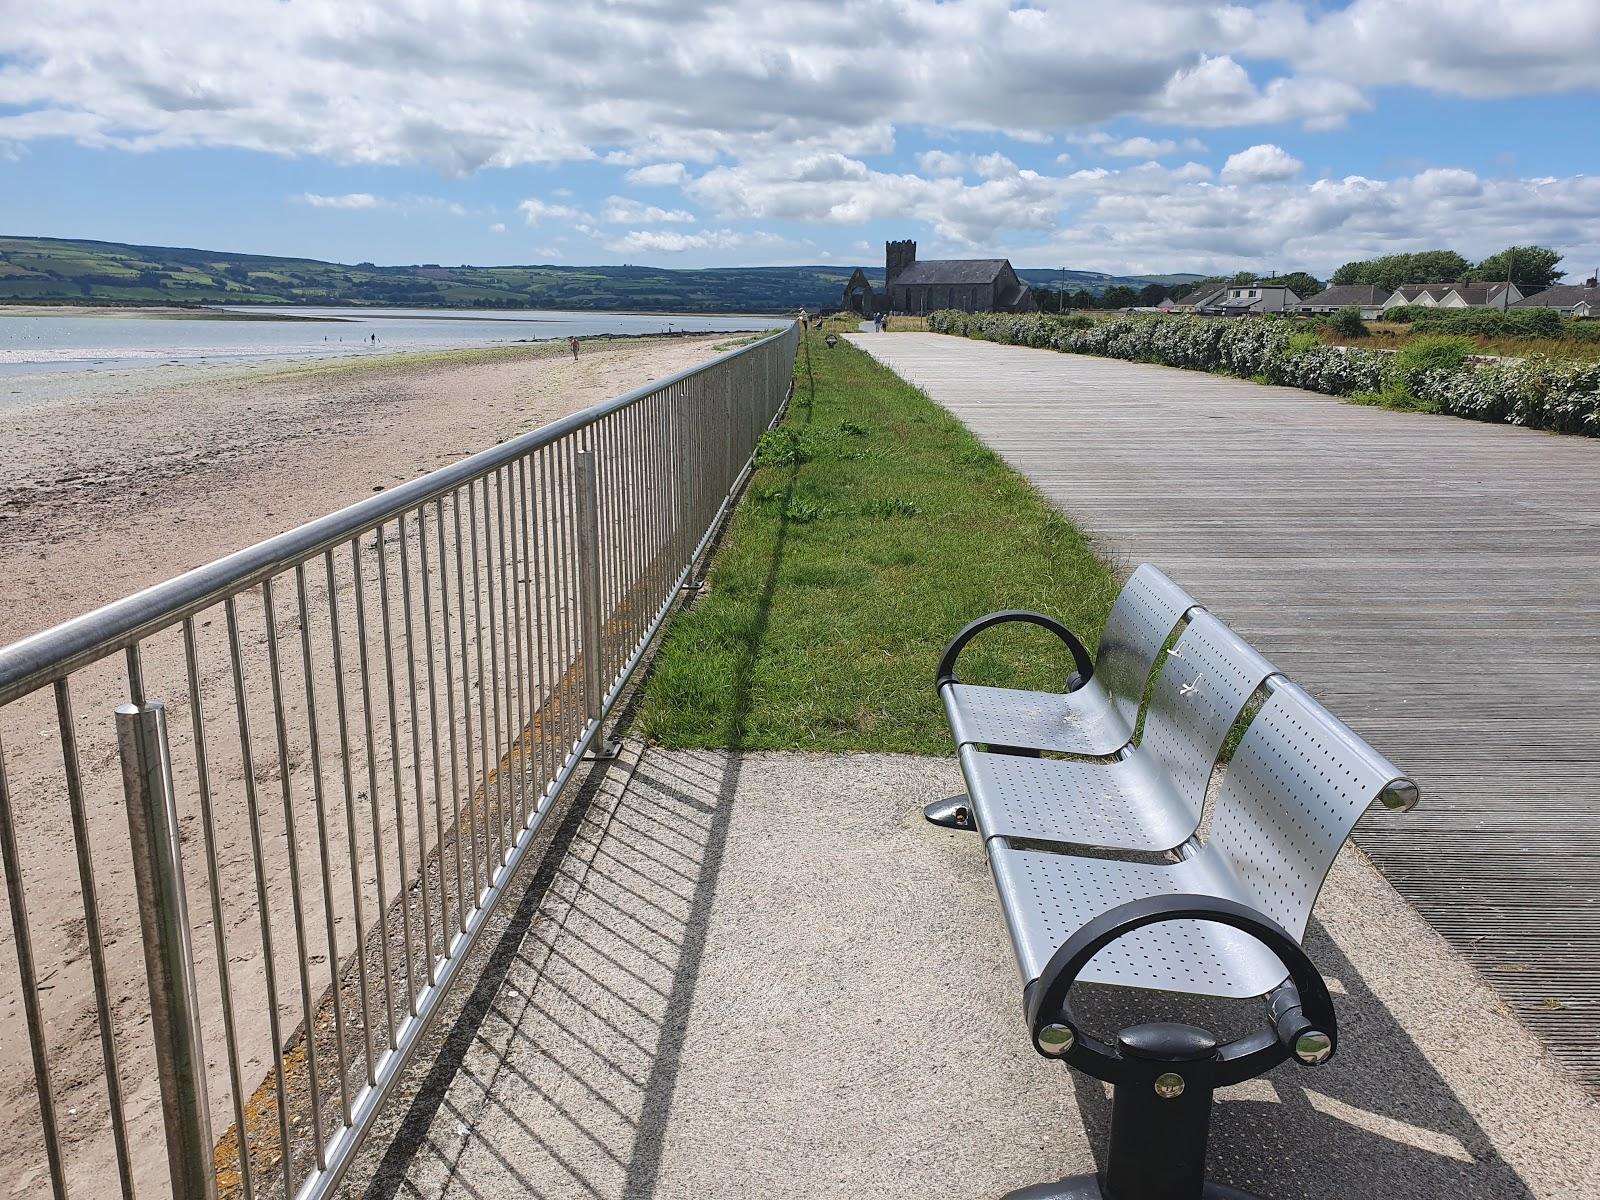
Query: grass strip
876, 526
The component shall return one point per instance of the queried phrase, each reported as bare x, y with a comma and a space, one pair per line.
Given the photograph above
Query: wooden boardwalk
1435, 581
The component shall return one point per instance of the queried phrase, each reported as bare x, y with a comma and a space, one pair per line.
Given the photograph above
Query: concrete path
1436, 581
766, 975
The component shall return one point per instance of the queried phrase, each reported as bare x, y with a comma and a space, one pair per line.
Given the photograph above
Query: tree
1199, 287
1082, 298
1120, 296
1046, 299
1300, 283
1151, 295
1392, 270
1244, 277
1533, 268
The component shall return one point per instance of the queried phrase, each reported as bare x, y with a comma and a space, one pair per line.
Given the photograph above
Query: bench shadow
1376, 1121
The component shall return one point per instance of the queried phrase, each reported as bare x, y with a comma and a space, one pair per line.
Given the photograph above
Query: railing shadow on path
582, 1004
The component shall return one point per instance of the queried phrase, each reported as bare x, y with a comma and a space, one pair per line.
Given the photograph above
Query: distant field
83, 272
44, 270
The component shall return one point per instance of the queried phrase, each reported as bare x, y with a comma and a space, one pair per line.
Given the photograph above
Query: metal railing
335, 748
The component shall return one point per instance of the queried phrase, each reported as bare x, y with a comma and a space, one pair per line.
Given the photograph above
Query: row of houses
1238, 300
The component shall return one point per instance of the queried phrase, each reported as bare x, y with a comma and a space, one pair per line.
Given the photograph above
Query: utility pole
1505, 297
1061, 292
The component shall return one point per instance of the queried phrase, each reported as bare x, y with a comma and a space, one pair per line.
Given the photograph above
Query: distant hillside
1096, 281
68, 270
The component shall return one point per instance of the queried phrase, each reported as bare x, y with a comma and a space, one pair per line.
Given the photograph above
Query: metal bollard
168, 947
589, 616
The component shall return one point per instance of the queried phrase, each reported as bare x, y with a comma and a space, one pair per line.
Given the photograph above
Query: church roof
952, 270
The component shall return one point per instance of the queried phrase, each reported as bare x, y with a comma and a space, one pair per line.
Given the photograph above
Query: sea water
46, 344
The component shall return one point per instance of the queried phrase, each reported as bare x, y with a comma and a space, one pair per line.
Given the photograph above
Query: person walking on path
573, 342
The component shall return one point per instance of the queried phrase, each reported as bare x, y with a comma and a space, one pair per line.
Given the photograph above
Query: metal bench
1226, 920
1153, 798
1097, 712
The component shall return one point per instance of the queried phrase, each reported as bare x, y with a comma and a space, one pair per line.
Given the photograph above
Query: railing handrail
42, 658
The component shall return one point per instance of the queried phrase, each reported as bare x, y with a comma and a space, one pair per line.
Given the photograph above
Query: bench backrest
1203, 686
1141, 621
1291, 795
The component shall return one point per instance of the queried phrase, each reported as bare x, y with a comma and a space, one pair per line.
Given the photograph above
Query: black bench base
1087, 1187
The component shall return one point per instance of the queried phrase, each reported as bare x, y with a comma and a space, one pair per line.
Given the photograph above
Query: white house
1368, 297
1454, 295
1251, 300
1570, 299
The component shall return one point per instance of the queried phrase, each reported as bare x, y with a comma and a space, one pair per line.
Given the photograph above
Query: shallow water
32, 345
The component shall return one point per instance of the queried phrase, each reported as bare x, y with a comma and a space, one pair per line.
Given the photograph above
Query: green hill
61, 270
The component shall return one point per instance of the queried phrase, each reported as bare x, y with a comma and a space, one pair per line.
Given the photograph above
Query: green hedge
1556, 395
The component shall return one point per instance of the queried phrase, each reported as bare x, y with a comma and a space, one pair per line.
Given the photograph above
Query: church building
968, 284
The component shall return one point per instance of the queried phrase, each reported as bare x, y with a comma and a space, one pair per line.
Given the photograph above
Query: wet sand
114, 482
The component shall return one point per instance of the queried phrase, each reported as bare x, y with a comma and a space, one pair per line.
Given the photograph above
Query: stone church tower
897, 256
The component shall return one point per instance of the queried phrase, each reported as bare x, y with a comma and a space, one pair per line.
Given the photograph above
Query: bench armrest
1298, 1008
1080, 655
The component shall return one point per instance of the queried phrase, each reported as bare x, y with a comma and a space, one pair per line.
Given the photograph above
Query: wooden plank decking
1436, 581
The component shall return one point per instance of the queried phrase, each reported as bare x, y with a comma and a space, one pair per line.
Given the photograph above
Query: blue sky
1183, 135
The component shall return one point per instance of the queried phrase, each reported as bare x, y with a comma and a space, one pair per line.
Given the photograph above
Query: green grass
874, 528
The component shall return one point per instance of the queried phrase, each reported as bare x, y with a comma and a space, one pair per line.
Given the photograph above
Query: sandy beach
97, 471
111, 482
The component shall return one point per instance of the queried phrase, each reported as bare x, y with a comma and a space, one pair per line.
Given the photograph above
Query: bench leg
954, 812
1160, 1122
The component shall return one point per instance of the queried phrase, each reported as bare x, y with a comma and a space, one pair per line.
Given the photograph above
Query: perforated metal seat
1151, 800
1097, 718
1293, 791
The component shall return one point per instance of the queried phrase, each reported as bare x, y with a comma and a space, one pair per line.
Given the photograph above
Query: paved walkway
766, 975
1435, 581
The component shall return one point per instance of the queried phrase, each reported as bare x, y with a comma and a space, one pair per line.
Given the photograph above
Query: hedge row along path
1435, 582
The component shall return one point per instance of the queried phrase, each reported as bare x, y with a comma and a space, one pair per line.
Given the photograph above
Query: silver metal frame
1154, 798
557, 554
1290, 796
1099, 717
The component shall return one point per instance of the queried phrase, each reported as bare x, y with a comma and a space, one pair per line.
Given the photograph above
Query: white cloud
1147, 219
942, 162
773, 112
662, 241
348, 200
498, 227
1261, 163
656, 86
668, 174
534, 210
1144, 147
620, 210
1460, 47
1141, 147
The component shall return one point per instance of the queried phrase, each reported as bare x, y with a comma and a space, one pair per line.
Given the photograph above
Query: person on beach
573, 342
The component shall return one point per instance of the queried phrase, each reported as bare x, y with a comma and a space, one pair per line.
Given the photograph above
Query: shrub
1491, 322
1433, 374
1414, 362
1347, 322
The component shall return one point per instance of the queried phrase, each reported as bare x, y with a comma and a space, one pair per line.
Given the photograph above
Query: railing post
168, 947
590, 622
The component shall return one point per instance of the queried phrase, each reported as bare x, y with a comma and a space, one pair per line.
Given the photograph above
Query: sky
1128, 137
